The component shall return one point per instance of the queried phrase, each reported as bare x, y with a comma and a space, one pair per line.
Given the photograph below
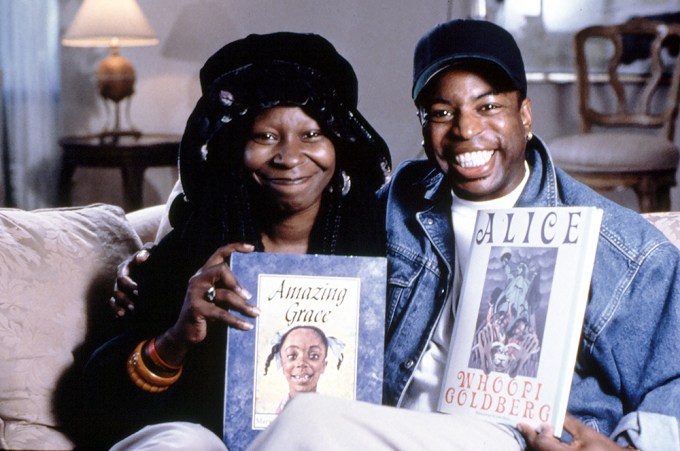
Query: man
470, 90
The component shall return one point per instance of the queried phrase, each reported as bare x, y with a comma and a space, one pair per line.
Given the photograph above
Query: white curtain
29, 61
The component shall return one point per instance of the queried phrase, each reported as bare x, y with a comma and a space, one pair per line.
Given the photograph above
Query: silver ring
210, 295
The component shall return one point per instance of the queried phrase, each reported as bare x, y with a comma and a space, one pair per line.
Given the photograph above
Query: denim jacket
629, 359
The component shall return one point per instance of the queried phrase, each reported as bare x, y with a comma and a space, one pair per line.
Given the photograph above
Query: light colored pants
167, 436
318, 422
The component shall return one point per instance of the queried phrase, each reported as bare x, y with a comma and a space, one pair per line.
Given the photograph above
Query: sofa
57, 268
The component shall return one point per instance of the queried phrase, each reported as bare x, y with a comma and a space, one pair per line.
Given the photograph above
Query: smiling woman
290, 159
275, 157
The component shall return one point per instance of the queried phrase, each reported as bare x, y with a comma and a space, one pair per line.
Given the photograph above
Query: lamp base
114, 113
115, 81
115, 77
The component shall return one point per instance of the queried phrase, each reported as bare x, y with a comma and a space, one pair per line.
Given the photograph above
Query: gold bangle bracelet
140, 383
137, 366
146, 374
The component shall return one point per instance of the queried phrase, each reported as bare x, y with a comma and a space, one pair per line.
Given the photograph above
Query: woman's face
303, 359
289, 157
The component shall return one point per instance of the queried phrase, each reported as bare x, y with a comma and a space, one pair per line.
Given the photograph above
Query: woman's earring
529, 136
346, 183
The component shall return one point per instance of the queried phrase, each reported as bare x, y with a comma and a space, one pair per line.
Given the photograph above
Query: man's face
476, 135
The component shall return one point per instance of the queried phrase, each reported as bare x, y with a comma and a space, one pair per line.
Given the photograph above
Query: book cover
321, 329
520, 314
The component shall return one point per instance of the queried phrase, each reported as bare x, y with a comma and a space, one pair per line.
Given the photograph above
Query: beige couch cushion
668, 223
57, 268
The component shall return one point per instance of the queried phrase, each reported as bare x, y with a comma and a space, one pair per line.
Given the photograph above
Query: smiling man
470, 89
476, 129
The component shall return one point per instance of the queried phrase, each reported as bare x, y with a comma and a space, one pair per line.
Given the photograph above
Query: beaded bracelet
143, 377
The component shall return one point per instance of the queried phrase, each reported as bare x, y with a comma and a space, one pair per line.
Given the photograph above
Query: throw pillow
57, 268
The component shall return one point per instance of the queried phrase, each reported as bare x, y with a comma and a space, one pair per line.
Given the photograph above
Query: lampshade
103, 23
114, 24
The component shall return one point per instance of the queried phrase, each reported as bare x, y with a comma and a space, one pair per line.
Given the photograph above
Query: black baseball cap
467, 39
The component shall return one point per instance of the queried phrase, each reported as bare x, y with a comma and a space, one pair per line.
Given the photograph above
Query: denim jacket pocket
403, 276
411, 280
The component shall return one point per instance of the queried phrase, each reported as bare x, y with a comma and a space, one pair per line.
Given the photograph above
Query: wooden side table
131, 152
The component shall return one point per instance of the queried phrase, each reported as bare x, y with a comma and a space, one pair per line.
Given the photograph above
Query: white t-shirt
423, 390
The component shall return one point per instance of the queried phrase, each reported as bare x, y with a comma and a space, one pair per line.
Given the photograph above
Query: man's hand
585, 438
125, 289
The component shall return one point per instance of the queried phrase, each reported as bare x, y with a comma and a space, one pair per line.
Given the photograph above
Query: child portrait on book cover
287, 329
301, 354
321, 314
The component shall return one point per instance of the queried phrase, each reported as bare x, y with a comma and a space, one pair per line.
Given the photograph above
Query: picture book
520, 313
321, 329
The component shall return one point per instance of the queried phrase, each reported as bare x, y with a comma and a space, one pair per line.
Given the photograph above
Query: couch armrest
145, 221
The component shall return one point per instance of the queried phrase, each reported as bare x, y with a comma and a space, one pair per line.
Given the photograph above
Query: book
520, 313
303, 298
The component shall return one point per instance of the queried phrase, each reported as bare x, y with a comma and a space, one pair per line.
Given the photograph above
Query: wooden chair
627, 155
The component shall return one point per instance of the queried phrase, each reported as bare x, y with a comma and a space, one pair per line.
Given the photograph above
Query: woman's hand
125, 288
584, 437
199, 309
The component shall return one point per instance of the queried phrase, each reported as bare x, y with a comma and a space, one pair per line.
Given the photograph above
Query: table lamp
114, 24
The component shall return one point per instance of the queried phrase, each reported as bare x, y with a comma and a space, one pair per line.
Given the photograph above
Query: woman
275, 157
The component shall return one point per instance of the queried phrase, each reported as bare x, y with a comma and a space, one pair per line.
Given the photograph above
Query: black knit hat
467, 39
305, 49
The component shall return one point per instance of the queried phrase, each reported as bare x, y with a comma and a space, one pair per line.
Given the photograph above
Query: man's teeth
474, 159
